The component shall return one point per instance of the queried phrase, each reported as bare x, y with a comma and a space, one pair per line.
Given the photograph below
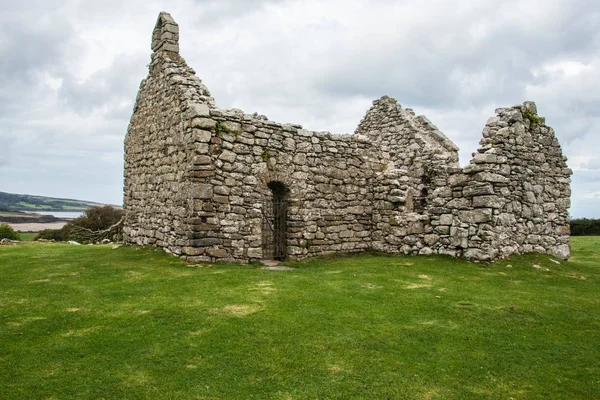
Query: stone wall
160, 146
514, 195
197, 178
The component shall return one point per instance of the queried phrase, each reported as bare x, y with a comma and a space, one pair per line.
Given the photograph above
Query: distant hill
26, 202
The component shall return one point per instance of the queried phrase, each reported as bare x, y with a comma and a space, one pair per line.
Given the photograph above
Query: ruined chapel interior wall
514, 195
414, 157
330, 200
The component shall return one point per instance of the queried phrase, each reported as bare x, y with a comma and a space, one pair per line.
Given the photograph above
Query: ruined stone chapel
213, 184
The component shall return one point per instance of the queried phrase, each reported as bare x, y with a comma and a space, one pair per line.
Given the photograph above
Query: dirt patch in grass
134, 276
370, 286
418, 286
136, 378
264, 287
80, 332
240, 310
26, 320
336, 368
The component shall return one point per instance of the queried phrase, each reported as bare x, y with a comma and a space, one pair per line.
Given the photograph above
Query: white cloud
71, 70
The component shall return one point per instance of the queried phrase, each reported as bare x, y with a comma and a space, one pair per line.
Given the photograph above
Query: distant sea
61, 214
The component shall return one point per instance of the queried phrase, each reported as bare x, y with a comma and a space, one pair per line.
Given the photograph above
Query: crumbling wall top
166, 34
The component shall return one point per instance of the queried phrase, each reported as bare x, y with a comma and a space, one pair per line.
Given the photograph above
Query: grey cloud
111, 90
215, 12
6, 148
320, 68
438, 64
30, 51
593, 165
27, 46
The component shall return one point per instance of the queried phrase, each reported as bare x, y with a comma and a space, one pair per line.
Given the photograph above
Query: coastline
35, 226
31, 222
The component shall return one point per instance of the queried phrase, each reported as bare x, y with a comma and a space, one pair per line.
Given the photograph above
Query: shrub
59, 235
94, 226
82, 229
6, 232
98, 218
585, 227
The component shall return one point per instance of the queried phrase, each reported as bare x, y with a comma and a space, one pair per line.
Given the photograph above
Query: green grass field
30, 206
27, 236
134, 323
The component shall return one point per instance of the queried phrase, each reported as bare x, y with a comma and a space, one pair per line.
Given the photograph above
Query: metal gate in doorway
274, 227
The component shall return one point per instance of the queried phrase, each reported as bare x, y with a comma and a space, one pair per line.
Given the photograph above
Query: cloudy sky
70, 70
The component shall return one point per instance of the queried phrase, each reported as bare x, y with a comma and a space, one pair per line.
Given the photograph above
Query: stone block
490, 177
255, 253
483, 158
202, 160
168, 46
200, 175
479, 254
478, 189
442, 229
222, 190
445, 219
562, 251
458, 180
489, 201
458, 204
201, 136
356, 210
228, 156
442, 192
199, 110
217, 253
204, 123
221, 199
206, 242
431, 239
475, 216
193, 251
425, 251
203, 191
346, 234
415, 228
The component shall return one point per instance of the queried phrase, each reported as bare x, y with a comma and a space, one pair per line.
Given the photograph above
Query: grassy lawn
27, 236
134, 323
30, 206
73, 208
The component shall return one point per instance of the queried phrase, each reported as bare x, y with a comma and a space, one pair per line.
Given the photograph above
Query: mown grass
27, 236
135, 323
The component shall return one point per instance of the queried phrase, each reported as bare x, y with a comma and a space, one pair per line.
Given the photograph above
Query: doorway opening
274, 225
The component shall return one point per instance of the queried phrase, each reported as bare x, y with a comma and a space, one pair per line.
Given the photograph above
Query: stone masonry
197, 178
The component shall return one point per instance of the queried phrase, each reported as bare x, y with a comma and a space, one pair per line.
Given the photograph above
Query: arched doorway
275, 222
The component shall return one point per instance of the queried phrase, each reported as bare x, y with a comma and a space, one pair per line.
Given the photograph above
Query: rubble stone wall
197, 178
